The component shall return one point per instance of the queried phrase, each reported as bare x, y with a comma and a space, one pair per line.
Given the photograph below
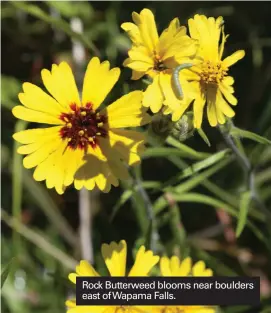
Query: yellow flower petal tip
84, 145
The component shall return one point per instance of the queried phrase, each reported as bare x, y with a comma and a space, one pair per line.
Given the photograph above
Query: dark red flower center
83, 127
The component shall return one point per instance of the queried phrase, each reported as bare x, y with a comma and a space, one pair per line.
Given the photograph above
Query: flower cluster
205, 82
115, 255
87, 144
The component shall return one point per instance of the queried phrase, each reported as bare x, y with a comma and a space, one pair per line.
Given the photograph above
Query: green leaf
148, 237
69, 9
189, 151
127, 194
197, 179
249, 135
5, 272
56, 22
40, 240
165, 152
122, 200
199, 198
243, 213
204, 136
195, 168
196, 198
10, 87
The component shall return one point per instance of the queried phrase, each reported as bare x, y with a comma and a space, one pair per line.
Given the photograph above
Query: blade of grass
127, 194
39, 240
198, 166
249, 135
165, 152
42, 198
189, 151
17, 188
5, 272
245, 201
199, 198
194, 181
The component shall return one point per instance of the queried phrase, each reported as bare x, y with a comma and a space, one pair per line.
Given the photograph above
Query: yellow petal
57, 163
93, 170
185, 267
164, 267
153, 96
228, 80
224, 106
98, 82
61, 84
115, 257
211, 106
114, 160
198, 269
198, 107
144, 262
30, 115
36, 99
207, 272
182, 49
133, 32
86, 269
226, 91
129, 144
232, 59
32, 147
101, 178
33, 135
168, 35
72, 277
86, 172
220, 116
41, 154
174, 265
211, 114
127, 111
137, 75
46, 168
207, 31
147, 28
74, 159
141, 54
139, 66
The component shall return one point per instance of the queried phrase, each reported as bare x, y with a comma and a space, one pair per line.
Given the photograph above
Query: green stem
176, 225
17, 191
138, 207
154, 235
248, 170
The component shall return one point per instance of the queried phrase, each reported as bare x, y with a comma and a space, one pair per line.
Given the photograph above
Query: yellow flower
210, 78
175, 268
114, 255
157, 57
87, 145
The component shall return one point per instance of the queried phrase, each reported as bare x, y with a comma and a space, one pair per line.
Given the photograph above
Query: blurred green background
43, 238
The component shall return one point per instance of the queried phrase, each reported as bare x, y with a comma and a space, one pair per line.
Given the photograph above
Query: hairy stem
248, 170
